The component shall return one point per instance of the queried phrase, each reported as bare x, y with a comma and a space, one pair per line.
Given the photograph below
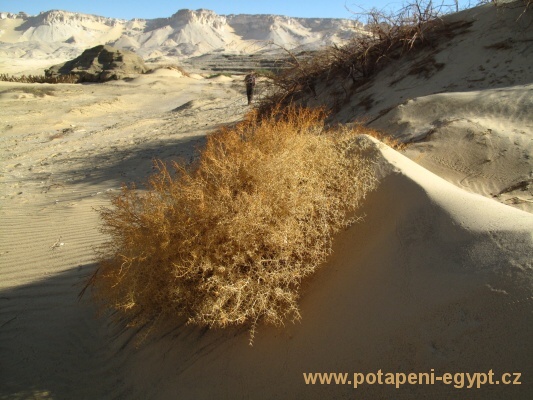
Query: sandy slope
63, 149
434, 277
464, 103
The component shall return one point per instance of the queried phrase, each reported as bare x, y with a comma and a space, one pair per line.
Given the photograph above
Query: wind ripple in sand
57, 170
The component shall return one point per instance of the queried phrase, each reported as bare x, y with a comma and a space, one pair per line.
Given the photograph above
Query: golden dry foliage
229, 240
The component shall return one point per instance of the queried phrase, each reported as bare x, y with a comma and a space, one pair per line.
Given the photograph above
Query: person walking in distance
250, 85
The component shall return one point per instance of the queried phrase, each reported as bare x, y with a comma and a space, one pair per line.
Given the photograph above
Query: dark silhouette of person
250, 85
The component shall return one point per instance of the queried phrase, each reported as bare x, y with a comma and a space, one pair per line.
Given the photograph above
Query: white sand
434, 277
469, 119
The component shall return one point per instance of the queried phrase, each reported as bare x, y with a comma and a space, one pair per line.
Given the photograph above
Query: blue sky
165, 8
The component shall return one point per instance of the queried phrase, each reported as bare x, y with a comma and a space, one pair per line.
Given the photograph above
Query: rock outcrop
99, 64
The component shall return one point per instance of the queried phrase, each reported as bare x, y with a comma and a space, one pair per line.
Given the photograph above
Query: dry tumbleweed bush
229, 239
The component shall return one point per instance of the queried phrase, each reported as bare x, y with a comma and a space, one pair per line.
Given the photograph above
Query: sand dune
493, 124
432, 280
463, 103
434, 277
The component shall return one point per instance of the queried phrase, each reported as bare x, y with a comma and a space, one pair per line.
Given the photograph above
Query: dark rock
100, 64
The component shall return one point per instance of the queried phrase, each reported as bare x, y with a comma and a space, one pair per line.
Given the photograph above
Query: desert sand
438, 275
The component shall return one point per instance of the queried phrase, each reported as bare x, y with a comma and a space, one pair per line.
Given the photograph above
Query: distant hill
62, 35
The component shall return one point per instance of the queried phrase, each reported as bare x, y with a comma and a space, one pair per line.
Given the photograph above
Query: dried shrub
388, 35
228, 240
39, 79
